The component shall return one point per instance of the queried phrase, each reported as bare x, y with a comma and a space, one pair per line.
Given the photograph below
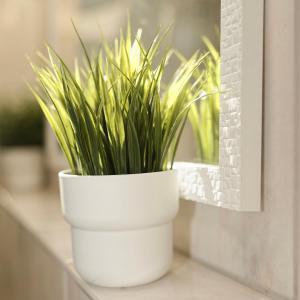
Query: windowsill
39, 213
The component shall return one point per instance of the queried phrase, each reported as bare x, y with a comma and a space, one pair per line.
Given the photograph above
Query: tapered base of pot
123, 258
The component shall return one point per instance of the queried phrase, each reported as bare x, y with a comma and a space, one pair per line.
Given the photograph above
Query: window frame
236, 182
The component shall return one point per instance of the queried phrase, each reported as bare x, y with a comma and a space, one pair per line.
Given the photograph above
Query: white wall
22, 32
297, 208
259, 248
25, 27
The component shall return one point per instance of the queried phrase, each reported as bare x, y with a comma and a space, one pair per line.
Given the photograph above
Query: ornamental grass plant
114, 115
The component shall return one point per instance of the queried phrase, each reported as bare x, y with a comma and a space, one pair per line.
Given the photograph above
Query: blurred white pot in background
21, 168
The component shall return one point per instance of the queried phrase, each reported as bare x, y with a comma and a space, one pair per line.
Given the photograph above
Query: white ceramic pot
21, 168
121, 225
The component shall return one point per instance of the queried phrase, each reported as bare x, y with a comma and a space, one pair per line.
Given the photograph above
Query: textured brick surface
220, 186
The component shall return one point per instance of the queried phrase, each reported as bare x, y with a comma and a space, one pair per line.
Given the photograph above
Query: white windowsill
40, 214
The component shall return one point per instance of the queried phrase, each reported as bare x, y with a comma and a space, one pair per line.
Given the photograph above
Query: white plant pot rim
67, 173
119, 202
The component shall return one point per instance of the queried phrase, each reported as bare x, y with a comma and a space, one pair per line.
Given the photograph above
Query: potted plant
119, 129
21, 140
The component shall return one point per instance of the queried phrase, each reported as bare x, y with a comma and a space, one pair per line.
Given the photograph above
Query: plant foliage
21, 124
112, 115
204, 116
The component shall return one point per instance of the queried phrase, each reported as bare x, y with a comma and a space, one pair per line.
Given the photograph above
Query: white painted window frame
236, 182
